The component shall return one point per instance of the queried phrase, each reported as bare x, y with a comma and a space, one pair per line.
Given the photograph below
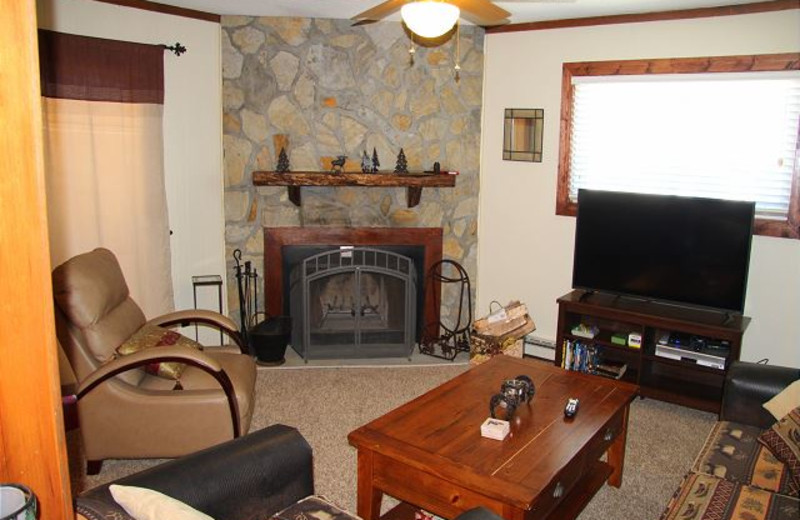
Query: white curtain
105, 188
104, 167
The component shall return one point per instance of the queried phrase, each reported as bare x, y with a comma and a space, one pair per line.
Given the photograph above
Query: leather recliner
123, 411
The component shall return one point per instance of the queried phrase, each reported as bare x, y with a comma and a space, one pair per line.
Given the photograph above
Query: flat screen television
680, 250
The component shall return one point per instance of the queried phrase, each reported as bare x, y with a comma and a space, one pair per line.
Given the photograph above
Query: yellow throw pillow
786, 401
151, 336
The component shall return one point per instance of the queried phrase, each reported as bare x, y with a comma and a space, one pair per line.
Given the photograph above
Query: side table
207, 280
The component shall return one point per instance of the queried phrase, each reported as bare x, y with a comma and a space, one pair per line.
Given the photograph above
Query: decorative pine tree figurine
375, 162
402, 164
283, 162
366, 164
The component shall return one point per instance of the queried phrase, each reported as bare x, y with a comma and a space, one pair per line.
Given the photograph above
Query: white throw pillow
146, 504
786, 401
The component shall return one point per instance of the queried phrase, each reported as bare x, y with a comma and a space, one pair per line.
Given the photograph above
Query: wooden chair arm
214, 319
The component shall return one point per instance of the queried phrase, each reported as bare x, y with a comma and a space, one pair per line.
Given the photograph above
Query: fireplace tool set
266, 340
447, 338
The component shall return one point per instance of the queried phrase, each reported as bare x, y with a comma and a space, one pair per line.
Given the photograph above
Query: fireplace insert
353, 302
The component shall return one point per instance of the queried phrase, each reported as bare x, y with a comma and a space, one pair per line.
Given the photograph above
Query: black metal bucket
269, 338
266, 340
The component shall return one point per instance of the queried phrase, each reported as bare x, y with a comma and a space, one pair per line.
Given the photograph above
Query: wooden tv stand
680, 381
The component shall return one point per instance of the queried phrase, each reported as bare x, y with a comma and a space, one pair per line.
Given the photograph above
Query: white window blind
722, 135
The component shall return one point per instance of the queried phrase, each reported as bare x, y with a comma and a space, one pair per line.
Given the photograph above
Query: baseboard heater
540, 348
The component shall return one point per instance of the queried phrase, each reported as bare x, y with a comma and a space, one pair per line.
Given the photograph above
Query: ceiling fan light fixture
429, 18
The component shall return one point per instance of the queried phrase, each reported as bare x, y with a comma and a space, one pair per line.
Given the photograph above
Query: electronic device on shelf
701, 358
680, 250
619, 338
694, 343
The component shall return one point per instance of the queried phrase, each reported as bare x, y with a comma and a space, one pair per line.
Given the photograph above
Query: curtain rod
178, 49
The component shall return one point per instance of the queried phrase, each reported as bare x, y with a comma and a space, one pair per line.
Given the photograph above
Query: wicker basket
486, 341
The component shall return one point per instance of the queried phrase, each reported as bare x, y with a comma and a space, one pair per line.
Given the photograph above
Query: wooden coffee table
429, 453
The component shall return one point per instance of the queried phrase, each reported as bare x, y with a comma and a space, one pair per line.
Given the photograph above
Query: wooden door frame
32, 442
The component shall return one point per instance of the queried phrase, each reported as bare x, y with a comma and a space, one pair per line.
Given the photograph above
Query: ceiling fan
432, 18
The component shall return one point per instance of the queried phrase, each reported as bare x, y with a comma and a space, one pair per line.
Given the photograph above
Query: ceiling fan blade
484, 11
537, 1
380, 10
483, 23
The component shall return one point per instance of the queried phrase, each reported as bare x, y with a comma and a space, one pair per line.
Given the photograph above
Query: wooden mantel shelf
295, 180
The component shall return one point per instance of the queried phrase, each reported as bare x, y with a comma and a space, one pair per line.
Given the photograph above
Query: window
708, 127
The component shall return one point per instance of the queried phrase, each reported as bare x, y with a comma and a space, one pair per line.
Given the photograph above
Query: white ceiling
521, 10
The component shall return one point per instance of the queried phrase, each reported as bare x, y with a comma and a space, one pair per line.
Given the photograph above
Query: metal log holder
449, 338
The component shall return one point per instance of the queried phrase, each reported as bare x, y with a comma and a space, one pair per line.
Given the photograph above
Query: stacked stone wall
324, 88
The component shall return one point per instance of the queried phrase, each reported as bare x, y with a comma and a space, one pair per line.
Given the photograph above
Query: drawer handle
609, 434
558, 492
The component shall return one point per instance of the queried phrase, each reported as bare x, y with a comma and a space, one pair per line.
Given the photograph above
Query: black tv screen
684, 250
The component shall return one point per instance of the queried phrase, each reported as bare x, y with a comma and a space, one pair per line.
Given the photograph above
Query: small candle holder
513, 392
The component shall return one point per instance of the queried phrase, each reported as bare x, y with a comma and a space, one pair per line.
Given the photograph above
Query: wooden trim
563, 204
658, 16
166, 9
32, 443
789, 228
746, 63
277, 237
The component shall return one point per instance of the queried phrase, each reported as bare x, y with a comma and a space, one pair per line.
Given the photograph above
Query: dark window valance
96, 69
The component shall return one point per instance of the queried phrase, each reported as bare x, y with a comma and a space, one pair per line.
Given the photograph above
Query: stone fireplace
353, 292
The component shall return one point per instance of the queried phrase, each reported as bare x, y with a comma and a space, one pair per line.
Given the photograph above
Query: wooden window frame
789, 228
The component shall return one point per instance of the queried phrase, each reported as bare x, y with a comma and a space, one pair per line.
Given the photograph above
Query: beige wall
525, 250
192, 126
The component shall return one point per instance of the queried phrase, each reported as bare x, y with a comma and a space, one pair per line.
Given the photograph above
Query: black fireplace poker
243, 276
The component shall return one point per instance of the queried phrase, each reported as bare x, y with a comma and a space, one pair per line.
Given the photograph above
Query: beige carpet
327, 403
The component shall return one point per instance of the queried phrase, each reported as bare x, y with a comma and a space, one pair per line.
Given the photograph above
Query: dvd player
688, 342
700, 358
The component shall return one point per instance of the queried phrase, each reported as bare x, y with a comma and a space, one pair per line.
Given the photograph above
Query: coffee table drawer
566, 480
606, 436
557, 490
429, 492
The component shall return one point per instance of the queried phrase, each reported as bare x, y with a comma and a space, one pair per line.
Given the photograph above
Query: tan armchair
123, 411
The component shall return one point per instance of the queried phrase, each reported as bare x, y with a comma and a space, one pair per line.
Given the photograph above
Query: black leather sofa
249, 478
748, 386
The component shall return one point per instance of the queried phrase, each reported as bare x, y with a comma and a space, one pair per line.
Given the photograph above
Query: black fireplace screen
353, 302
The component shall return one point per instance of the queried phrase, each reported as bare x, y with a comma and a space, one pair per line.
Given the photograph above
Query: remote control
572, 408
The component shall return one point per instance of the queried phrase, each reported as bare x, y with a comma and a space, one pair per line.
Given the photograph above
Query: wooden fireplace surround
277, 237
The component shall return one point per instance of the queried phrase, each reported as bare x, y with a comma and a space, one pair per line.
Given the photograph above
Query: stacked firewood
501, 332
